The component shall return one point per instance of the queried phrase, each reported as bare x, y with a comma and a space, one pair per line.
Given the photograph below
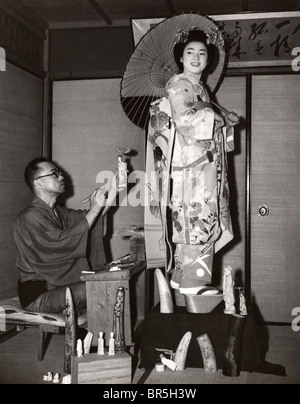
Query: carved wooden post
70, 331
228, 291
119, 333
233, 346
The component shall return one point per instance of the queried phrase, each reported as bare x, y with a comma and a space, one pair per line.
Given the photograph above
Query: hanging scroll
262, 39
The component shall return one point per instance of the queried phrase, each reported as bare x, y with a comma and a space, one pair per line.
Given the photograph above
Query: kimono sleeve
228, 133
51, 251
191, 119
68, 243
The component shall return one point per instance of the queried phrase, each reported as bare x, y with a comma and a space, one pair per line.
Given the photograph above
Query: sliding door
275, 196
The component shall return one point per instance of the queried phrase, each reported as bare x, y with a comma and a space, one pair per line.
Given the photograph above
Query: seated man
52, 241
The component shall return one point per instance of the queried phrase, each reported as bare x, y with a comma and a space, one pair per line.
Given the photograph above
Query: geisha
198, 165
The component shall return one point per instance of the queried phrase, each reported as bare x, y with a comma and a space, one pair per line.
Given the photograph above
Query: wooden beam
25, 15
87, 24
171, 7
101, 12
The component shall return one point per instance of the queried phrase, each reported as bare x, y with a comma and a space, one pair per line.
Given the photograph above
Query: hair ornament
214, 36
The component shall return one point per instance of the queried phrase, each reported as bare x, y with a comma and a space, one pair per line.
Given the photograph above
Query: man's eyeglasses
55, 173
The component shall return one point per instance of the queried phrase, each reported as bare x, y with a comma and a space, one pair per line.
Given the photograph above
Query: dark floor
19, 365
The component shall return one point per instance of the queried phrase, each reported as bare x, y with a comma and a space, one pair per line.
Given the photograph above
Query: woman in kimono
200, 194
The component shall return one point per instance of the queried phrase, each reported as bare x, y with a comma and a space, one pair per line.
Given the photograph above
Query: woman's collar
192, 77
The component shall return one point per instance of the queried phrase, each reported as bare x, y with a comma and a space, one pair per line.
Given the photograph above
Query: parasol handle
220, 108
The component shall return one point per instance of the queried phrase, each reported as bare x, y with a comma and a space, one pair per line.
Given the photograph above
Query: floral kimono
194, 155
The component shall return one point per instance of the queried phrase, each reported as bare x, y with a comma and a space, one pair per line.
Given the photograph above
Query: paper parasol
152, 64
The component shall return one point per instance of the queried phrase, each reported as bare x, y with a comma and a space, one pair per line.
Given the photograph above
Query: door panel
275, 182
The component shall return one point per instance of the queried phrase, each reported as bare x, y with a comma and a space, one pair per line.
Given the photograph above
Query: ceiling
88, 13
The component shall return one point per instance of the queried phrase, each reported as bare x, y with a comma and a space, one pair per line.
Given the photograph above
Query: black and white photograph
150, 186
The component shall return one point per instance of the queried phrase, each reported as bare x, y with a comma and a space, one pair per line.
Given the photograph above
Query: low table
101, 288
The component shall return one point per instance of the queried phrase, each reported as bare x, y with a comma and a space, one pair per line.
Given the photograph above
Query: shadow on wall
262, 329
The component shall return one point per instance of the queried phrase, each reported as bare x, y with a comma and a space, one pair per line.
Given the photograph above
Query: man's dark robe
52, 245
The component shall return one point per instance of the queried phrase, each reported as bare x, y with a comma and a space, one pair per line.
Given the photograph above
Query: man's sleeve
66, 243
51, 251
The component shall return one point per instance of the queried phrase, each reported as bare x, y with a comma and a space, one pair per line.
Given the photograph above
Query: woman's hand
219, 120
232, 119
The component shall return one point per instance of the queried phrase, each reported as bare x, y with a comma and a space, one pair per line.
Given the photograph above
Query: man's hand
113, 190
98, 200
232, 119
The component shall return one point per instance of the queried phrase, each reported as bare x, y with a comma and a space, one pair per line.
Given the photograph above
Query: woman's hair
32, 170
194, 36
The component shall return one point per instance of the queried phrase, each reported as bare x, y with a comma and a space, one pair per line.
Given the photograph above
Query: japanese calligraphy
257, 30
235, 41
263, 39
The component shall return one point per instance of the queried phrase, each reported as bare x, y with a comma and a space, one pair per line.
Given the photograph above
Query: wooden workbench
101, 290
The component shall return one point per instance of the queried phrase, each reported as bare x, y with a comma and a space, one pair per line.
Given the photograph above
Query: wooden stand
44, 331
101, 289
95, 369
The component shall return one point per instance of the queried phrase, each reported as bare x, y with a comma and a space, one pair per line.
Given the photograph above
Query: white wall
21, 113
88, 124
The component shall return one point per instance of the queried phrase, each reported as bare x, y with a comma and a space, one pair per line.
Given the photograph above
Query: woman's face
195, 58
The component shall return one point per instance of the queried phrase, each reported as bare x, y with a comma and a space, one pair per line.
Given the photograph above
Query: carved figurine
119, 321
79, 349
101, 344
228, 291
111, 349
243, 307
122, 167
56, 378
48, 377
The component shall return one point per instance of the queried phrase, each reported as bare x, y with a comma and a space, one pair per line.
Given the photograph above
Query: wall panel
88, 124
20, 141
